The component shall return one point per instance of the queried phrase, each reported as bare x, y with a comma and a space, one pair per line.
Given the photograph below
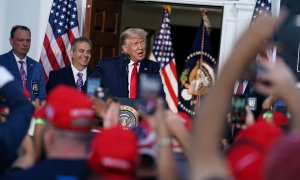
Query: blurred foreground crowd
73, 136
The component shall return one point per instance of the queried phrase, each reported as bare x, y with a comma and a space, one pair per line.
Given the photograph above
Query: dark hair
14, 28
81, 39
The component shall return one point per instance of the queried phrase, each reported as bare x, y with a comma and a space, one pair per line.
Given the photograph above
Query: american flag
61, 30
263, 8
163, 53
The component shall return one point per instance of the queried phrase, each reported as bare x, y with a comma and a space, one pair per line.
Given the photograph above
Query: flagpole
197, 102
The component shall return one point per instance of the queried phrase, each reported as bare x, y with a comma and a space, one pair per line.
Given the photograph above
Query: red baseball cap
248, 154
114, 153
283, 161
68, 109
279, 119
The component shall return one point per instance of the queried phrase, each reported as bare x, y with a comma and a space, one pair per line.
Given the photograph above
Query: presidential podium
129, 116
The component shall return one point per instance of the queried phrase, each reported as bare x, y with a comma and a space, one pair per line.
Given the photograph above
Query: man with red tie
120, 74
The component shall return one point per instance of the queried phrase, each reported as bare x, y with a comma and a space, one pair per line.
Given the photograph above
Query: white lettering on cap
115, 163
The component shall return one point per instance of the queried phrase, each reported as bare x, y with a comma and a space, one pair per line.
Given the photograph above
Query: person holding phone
120, 74
76, 74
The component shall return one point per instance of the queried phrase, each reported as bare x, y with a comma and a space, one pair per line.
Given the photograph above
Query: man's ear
11, 41
124, 48
71, 53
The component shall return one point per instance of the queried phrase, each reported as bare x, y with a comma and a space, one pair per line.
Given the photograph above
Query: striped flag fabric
263, 8
61, 30
163, 53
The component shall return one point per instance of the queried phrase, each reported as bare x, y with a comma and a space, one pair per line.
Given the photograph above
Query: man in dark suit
120, 74
76, 74
28, 73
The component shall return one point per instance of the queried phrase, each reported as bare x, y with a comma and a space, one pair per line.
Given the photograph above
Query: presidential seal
128, 117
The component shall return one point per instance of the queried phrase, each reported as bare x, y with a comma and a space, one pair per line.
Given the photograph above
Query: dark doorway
182, 39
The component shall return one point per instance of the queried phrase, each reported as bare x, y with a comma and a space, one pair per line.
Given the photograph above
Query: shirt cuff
5, 77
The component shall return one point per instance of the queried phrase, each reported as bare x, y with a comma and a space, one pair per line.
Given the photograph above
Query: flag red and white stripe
62, 29
263, 8
163, 53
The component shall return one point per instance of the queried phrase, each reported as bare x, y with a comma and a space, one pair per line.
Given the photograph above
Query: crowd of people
54, 130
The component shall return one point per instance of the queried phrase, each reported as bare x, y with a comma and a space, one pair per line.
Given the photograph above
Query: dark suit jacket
34, 73
63, 76
16, 126
114, 75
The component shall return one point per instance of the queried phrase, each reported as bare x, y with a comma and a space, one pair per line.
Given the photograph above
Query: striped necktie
23, 74
79, 82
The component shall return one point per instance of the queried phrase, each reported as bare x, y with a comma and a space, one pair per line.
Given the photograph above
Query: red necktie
240, 88
133, 81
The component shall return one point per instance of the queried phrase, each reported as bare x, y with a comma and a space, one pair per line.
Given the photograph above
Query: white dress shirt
19, 65
75, 72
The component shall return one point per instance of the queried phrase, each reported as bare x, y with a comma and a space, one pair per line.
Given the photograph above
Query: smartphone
101, 93
92, 85
238, 111
149, 90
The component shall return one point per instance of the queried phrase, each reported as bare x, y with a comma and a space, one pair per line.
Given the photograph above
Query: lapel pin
145, 69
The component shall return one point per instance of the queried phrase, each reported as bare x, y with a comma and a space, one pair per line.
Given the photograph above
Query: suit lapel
143, 67
14, 67
69, 76
30, 67
122, 76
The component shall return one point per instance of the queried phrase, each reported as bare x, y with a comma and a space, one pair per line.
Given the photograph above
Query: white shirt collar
18, 59
75, 72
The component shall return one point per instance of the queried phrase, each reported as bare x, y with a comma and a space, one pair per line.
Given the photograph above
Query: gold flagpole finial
168, 7
205, 19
